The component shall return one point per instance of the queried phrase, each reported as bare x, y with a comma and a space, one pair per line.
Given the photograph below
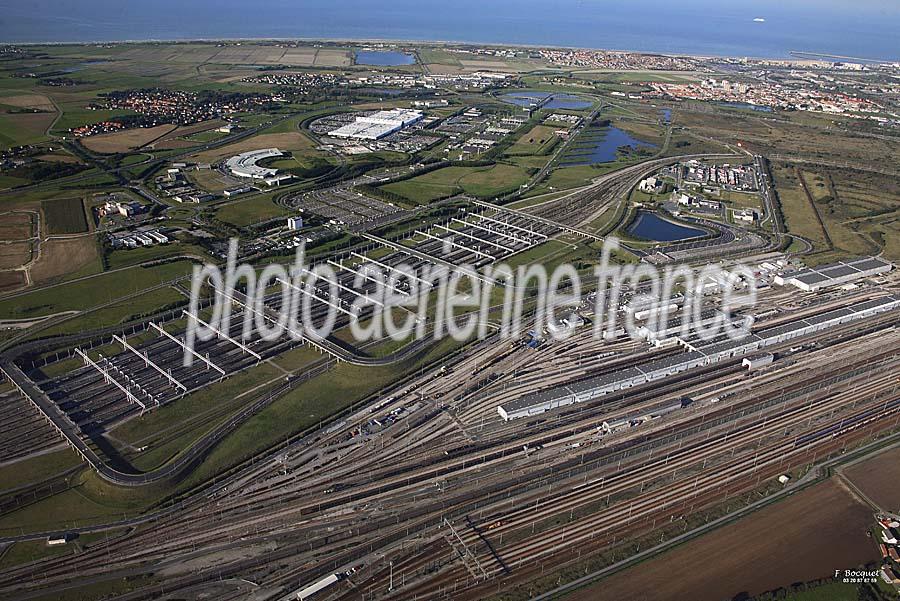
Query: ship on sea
759, 20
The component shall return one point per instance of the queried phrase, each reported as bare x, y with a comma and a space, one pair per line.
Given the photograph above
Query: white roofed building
245, 164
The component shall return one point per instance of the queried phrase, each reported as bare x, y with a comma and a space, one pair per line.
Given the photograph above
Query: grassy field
90, 292
858, 210
799, 214
37, 468
538, 140
564, 178
800, 135
250, 211
307, 405
118, 313
18, 129
65, 258
65, 216
484, 182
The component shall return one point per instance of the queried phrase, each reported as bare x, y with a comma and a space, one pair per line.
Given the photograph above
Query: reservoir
651, 226
553, 101
600, 145
384, 58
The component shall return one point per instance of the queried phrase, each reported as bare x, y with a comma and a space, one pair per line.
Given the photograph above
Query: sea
865, 29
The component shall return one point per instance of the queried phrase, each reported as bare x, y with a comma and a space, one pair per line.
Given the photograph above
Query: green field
18, 129
90, 292
253, 210
123, 312
484, 182
538, 140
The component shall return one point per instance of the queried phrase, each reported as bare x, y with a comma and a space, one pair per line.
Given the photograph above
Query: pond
83, 65
651, 226
600, 145
384, 58
550, 100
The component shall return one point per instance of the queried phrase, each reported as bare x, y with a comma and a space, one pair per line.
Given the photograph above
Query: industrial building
378, 125
245, 164
834, 274
698, 354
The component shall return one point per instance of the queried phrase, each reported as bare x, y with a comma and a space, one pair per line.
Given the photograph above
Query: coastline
789, 57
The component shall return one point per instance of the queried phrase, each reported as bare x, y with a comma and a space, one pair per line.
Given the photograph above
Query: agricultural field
123, 141
17, 225
64, 257
17, 129
878, 478
819, 530
65, 216
11, 280
15, 254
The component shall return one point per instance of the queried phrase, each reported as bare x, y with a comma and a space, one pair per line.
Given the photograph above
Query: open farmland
819, 530
37, 102
123, 141
11, 280
181, 137
16, 226
17, 129
879, 478
65, 216
63, 257
15, 254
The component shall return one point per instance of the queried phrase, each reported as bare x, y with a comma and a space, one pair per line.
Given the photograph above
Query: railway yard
425, 492
431, 485
141, 460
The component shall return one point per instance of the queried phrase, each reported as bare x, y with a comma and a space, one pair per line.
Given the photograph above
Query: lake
600, 145
556, 100
651, 226
706, 27
384, 58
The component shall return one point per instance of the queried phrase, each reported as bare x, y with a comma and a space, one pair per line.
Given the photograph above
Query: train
846, 425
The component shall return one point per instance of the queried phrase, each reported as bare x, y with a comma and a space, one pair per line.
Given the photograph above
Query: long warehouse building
835, 274
378, 125
699, 354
